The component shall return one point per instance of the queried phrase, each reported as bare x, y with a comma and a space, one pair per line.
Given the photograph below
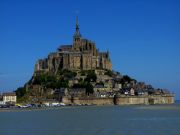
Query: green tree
126, 78
20, 92
83, 73
67, 73
89, 88
91, 76
109, 73
100, 83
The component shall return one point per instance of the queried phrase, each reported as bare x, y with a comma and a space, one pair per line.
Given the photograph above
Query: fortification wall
121, 100
88, 100
155, 99
130, 100
169, 99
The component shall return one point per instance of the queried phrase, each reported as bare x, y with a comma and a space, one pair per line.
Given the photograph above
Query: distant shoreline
29, 109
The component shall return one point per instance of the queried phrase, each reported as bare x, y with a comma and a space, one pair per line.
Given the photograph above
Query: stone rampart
88, 100
121, 100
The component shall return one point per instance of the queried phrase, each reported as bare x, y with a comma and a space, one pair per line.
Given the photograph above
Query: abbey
80, 74
81, 55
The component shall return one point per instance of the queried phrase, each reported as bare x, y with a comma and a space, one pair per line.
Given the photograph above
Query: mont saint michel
80, 74
89, 67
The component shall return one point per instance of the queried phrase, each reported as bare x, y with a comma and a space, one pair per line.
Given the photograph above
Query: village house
141, 92
132, 92
118, 85
101, 88
77, 92
9, 97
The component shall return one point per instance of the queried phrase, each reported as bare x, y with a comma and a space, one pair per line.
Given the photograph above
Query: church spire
77, 24
77, 34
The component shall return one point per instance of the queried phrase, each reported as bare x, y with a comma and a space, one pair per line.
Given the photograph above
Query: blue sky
143, 37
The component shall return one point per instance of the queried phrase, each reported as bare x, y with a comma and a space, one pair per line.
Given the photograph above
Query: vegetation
109, 73
68, 74
100, 83
126, 78
91, 76
60, 80
79, 85
89, 88
87, 85
83, 73
20, 92
50, 81
43, 79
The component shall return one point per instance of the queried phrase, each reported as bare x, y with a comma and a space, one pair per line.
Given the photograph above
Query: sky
143, 36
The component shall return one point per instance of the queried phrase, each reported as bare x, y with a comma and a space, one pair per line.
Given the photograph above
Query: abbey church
81, 55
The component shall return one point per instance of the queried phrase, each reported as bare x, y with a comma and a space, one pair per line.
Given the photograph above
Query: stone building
81, 55
9, 97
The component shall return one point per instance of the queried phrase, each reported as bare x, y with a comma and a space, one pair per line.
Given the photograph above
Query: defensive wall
120, 100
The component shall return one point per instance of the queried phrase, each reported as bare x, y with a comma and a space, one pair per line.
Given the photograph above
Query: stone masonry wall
122, 100
96, 101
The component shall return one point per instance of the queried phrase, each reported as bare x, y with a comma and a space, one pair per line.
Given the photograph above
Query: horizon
142, 37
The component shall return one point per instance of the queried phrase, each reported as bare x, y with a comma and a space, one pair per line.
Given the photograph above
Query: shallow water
94, 120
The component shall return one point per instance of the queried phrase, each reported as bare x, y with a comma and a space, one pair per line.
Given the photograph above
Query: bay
93, 120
